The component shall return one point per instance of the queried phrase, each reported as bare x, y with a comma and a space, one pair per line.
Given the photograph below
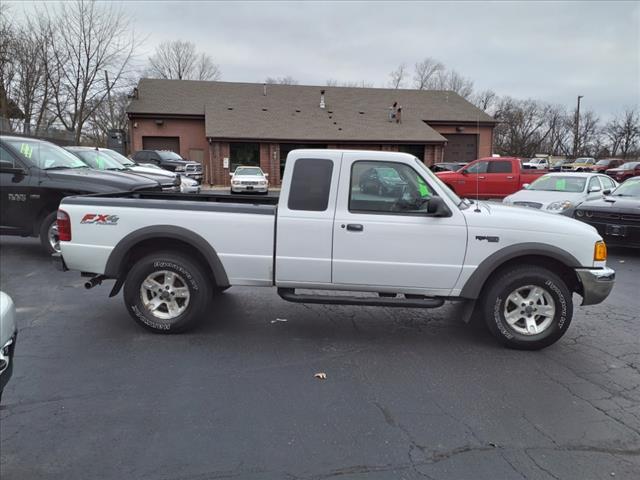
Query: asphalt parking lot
408, 394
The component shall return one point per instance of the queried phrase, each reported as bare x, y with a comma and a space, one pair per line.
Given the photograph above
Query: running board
290, 295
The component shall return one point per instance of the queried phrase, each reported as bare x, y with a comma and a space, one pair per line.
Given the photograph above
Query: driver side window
478, 167
387, 187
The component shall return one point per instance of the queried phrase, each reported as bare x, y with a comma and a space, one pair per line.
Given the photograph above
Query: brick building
224, 124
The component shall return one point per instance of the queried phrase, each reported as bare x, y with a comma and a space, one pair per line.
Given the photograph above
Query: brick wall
215, 173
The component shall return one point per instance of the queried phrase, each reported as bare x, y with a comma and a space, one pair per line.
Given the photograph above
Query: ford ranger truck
417, 246
492, 177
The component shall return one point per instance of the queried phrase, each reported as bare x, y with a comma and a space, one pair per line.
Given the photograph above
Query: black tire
506, 282
44, 232
190, 275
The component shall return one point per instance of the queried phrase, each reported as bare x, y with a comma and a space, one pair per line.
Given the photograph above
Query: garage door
161, 143
461, 148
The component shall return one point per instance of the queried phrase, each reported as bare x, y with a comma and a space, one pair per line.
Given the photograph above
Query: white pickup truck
378, 224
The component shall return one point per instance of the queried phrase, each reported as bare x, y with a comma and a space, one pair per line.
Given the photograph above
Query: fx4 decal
17, 197
100, 219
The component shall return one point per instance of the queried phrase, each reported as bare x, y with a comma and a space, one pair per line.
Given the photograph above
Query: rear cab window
310, 185
500, 166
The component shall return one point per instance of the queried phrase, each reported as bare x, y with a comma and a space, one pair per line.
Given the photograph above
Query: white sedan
561, 192
249, 180
8, 334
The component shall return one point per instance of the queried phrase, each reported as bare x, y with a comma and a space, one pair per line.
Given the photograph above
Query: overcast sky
551, 51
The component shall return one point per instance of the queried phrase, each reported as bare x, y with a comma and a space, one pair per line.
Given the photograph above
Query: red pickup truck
491, 177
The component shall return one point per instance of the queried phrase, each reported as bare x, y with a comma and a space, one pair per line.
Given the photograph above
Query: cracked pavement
409, 393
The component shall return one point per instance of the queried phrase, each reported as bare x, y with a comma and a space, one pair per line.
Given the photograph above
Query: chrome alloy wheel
529, 310
54, 238
165, 294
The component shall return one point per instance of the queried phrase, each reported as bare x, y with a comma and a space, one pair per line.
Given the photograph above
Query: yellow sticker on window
26, 150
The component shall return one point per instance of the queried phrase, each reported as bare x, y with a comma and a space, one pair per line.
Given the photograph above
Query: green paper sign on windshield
561, 184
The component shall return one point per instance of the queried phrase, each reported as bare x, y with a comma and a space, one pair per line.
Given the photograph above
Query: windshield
629, 165
166, 155
248, 171
121, 159
45, 155
434, 179
557, 183
99, 160
586, 161
603, 162
630, 188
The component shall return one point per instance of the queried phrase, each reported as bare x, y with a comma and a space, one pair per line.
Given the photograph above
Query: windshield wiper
115, 168
63, 167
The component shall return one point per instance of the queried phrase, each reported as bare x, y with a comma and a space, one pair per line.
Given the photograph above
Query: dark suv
169, 161
35, 175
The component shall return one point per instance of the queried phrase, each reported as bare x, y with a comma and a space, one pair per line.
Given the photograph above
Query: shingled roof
292, 112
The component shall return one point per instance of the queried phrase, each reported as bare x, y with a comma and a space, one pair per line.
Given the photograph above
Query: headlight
189, 182
579, 213
559, 206
235, 182
180, 168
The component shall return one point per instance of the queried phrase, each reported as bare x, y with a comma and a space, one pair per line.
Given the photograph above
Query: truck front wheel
528, 307
167, 292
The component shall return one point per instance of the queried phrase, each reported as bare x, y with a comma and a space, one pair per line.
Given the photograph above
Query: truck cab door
500, 179
15, 198
384, 240
474, 180
304, 230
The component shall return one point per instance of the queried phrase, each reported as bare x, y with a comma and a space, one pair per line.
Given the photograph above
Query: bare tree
426, 72
288, 80
455, 82
351, 84
108, 117
86, 38
398, 76
179, 60
485, 100
623, 133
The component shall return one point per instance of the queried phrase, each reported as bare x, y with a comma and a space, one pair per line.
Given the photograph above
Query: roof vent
322, 104
264, 109
361, 113
298, 111
264, 89
229, 108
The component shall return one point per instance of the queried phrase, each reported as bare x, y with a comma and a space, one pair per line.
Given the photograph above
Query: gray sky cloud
552, 51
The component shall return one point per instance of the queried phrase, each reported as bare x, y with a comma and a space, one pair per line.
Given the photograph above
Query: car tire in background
49, 234
527, 307
166, 292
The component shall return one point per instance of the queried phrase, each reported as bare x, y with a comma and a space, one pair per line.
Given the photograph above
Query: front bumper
250, 188
6, 360
596, 284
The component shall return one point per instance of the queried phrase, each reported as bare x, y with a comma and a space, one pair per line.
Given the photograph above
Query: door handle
509, 178
355, 227
481, 178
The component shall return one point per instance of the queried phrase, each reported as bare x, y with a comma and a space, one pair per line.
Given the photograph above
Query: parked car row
35, 175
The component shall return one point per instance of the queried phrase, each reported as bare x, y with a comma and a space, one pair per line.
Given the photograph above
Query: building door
161, 143
461, 148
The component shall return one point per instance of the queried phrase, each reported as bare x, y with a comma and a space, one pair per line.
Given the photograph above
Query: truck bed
271, 199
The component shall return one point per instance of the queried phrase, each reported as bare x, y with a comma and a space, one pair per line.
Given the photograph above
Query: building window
415, 150
285, 148
245, 154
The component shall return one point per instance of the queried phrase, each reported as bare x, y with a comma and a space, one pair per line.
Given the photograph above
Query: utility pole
577, 132
106, 79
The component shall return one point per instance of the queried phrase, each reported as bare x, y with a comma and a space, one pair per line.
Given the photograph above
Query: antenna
477, 210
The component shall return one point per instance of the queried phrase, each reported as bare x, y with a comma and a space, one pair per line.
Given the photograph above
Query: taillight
64, 226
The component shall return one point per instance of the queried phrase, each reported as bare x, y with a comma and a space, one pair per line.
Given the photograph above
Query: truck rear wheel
528, 308
167, 292
49, 239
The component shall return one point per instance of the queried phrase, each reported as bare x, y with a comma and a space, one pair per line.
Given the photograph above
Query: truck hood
248, 178
613, 203
98, 181
152, 170
507, 217
157, 176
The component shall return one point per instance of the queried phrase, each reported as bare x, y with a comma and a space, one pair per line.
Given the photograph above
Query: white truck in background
410, 242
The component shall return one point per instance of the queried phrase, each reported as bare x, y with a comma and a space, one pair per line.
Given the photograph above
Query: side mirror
231, 174
266, 174
526, 186
7, 167
606, 192
437, 208
464, 172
